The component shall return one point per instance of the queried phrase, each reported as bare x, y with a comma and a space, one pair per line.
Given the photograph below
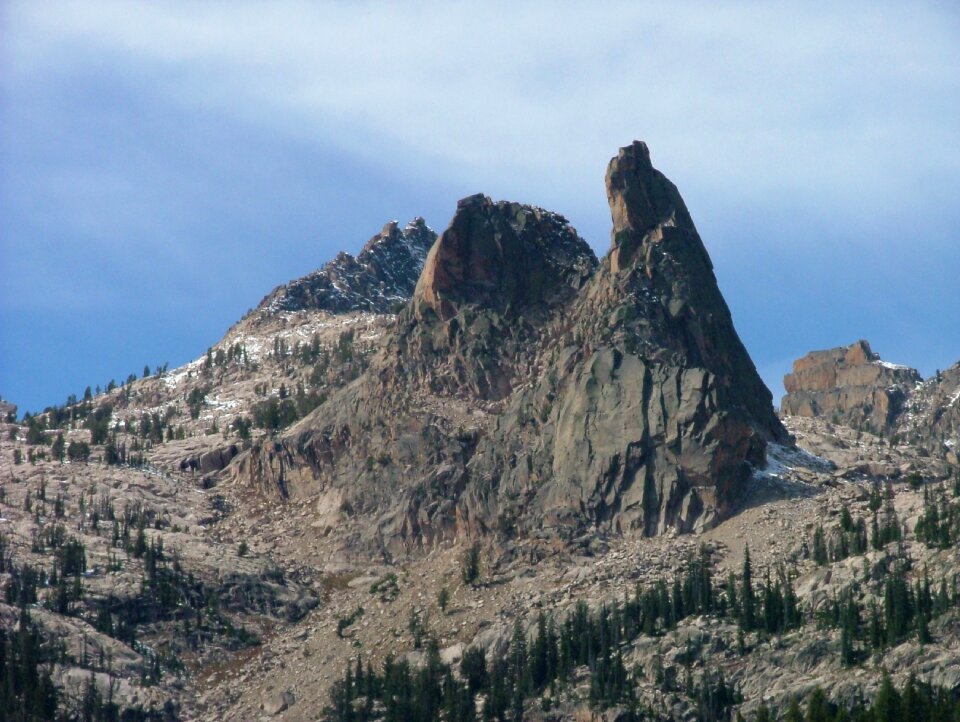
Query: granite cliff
528, 390
851, 385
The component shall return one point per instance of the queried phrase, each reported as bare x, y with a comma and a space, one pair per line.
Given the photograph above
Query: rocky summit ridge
529, 391
853, 386
381, 276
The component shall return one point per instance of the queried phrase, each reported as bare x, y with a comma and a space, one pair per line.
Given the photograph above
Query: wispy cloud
849, 102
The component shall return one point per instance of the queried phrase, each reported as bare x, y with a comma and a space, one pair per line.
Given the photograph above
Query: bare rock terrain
490, 441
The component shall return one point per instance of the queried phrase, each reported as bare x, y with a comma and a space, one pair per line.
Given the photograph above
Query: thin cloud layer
815, 99
192, 155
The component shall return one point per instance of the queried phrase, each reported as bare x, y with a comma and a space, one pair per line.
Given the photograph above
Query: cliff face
849, 385
527, 390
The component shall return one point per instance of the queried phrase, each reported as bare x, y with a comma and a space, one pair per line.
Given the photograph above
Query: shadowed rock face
493, 285
381, 276
529, 391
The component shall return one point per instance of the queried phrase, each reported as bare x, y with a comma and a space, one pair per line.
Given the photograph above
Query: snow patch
955, 398
173, 378
781, 460
893, 367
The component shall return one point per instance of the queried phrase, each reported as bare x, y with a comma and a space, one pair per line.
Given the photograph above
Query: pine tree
886, 707
58, 448
793, 711
913, 707
473, 669
875, 541
820, 555
849, 631
818, 708
747, 598
470, 564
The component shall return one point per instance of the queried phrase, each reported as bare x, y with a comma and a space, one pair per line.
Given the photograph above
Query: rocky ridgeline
382, 275
851, 385
931, 415
529, 391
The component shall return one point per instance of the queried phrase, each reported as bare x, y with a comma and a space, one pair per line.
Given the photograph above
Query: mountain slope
552, 417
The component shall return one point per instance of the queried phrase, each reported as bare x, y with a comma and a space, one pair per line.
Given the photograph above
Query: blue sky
164, 165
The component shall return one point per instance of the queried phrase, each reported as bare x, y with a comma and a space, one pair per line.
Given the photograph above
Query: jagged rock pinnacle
381, 276
539, 390
502, 255
642, 203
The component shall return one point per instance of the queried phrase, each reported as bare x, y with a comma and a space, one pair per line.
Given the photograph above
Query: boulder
277, 703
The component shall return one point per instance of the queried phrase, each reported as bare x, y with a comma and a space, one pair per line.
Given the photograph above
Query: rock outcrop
849, 385
210, 461
931, 415
852, 386
379, 278
504, 257
528, 391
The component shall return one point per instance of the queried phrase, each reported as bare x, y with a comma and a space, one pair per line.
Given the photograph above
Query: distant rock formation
527, 390
7, 409
381, 276
931, 416
849, 385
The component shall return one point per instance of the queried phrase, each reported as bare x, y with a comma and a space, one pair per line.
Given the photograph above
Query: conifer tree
58, 448
886, 707
747, 598
820, 555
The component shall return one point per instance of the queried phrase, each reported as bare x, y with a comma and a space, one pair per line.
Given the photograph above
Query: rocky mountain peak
379, 278
505, 256
642, 203
528, 391
657, 295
